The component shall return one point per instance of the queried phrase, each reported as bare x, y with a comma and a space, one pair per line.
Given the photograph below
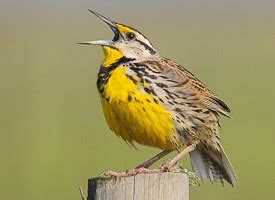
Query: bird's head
127, 43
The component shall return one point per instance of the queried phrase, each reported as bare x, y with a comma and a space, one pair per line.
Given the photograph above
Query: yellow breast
133, 115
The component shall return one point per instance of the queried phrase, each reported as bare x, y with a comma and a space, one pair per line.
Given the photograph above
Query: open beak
112, 25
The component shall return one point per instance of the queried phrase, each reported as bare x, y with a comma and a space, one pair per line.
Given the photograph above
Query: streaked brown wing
183, 81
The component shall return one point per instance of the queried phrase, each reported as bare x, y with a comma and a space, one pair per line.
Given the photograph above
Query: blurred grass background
53, 135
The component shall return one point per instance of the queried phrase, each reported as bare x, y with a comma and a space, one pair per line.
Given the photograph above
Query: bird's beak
112, 25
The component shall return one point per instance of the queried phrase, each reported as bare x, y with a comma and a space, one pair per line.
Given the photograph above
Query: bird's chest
133, 114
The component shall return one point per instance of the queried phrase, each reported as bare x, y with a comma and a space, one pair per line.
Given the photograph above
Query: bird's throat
112, 55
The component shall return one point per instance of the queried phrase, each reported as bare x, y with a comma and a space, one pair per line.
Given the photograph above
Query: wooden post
158, 186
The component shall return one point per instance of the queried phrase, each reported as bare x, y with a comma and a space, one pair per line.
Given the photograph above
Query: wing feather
187, 83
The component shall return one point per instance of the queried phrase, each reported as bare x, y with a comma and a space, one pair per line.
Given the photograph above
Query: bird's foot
166, 167
169, 167
114, 174
129, 172
140, 170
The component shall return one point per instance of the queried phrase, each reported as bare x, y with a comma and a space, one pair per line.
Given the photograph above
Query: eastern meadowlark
152, 100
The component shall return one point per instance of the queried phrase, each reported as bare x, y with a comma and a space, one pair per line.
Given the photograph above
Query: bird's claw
110, 173
168, 167
130, 172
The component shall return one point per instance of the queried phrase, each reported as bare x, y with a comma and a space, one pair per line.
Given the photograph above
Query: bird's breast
133, 114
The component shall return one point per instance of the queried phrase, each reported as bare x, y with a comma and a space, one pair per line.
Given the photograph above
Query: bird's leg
170, 165
140, 169
154, 159
143, 168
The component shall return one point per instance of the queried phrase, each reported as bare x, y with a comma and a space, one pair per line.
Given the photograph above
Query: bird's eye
130, 35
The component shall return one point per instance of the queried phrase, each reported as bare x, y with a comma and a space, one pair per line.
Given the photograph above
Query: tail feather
212, 165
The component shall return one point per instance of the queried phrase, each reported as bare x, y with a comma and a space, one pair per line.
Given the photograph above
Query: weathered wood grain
158, 186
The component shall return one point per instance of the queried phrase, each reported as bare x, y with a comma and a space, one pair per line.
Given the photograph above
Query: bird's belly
135, 116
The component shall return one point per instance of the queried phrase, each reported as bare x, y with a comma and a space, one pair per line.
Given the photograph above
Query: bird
151, 100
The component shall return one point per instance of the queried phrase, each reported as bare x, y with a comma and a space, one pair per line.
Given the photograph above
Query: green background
53, 135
